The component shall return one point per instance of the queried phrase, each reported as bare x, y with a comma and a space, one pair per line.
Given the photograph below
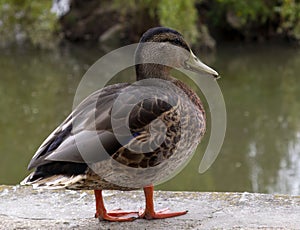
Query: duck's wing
90, 124
79, 128
59, 161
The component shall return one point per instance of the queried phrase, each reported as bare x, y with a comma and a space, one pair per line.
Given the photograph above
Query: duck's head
161, 49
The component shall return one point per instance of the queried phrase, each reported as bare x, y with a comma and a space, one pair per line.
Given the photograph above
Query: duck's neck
144, 71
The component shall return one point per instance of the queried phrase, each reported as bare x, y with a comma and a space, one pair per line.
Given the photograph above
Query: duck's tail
54, 182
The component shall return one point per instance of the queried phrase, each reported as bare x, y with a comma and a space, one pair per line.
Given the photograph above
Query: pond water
261, 151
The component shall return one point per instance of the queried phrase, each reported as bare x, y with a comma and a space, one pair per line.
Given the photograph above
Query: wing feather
62, 140
90, 124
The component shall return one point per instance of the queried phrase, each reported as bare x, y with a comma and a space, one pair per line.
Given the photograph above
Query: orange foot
117, 215
149, 212
161, 214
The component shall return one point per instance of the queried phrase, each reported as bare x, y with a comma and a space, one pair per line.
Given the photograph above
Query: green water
260, 84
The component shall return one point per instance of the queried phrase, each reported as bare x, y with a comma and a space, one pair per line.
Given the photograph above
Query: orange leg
116, 215
149, 212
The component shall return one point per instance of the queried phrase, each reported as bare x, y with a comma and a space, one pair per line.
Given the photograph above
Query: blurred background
46, 47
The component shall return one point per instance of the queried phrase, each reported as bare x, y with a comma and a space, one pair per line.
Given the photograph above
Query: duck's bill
195, 65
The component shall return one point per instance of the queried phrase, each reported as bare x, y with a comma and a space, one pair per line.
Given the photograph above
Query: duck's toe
118, 215
160, 214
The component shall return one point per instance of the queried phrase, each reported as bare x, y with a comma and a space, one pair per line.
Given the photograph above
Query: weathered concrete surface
25, 208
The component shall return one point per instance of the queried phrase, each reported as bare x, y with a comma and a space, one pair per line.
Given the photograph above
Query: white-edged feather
55, 181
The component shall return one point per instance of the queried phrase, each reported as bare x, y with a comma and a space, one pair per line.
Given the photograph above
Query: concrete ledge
25, 208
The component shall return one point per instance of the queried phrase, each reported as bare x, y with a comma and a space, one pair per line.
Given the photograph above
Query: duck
164, 120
